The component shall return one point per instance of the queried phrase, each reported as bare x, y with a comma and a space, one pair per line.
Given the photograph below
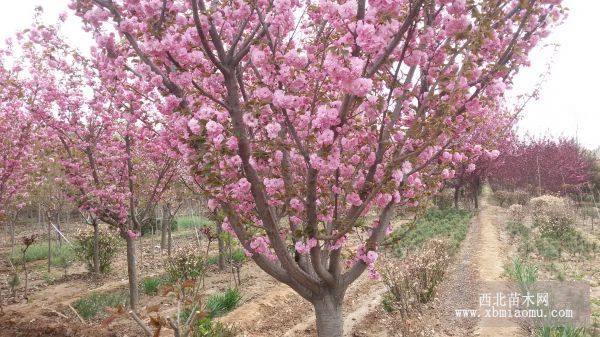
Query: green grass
191, 221
447, 223
222, 303
150, 285
237, 256
521, 271
39, 251
517, 229
561, 332
95, 303
207, 327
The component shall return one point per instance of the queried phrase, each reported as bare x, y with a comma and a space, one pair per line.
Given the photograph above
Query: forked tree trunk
131, 272
328, 312
96, 253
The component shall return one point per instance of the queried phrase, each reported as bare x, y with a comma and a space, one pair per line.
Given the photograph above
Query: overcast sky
568, 102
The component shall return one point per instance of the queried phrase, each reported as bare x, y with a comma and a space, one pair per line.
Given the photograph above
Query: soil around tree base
14, 325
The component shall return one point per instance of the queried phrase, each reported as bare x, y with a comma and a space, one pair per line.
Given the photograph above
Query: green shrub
553, 215
48, 278
548, 248
209, 328
95, 303
13, 280
108, 245
561, 332
235, 256
522, 272
558, 271
186, 263
573, 242
222, 303
150, 285
517, 229
64, 259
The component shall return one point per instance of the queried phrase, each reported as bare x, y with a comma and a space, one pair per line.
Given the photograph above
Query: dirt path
492, 254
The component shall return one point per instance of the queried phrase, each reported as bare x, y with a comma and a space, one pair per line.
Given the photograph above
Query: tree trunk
456, 195
40, 215
328, 311
169, 230
131, 272
164, 221
12, 237
49, 246
221, 260
59, 230
26, 272
96, 253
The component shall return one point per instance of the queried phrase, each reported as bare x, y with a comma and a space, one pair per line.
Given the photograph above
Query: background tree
110, 141
543, 165
18, 99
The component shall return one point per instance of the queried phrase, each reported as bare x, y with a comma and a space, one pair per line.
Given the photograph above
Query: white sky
567, 104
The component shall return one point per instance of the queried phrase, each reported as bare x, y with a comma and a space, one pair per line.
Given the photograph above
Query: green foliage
235, 256
222, 303
561, 332
13, 280
522, 272
190, 221
150, 285
207, 327
388, 302
575, 243
558, 270
447, 223
548, 248
64, 260
49, 278
108, 245
517, 229
95, 303
39, 251
187, 263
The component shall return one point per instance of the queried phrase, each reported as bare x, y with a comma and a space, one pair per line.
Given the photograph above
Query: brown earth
270, 309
